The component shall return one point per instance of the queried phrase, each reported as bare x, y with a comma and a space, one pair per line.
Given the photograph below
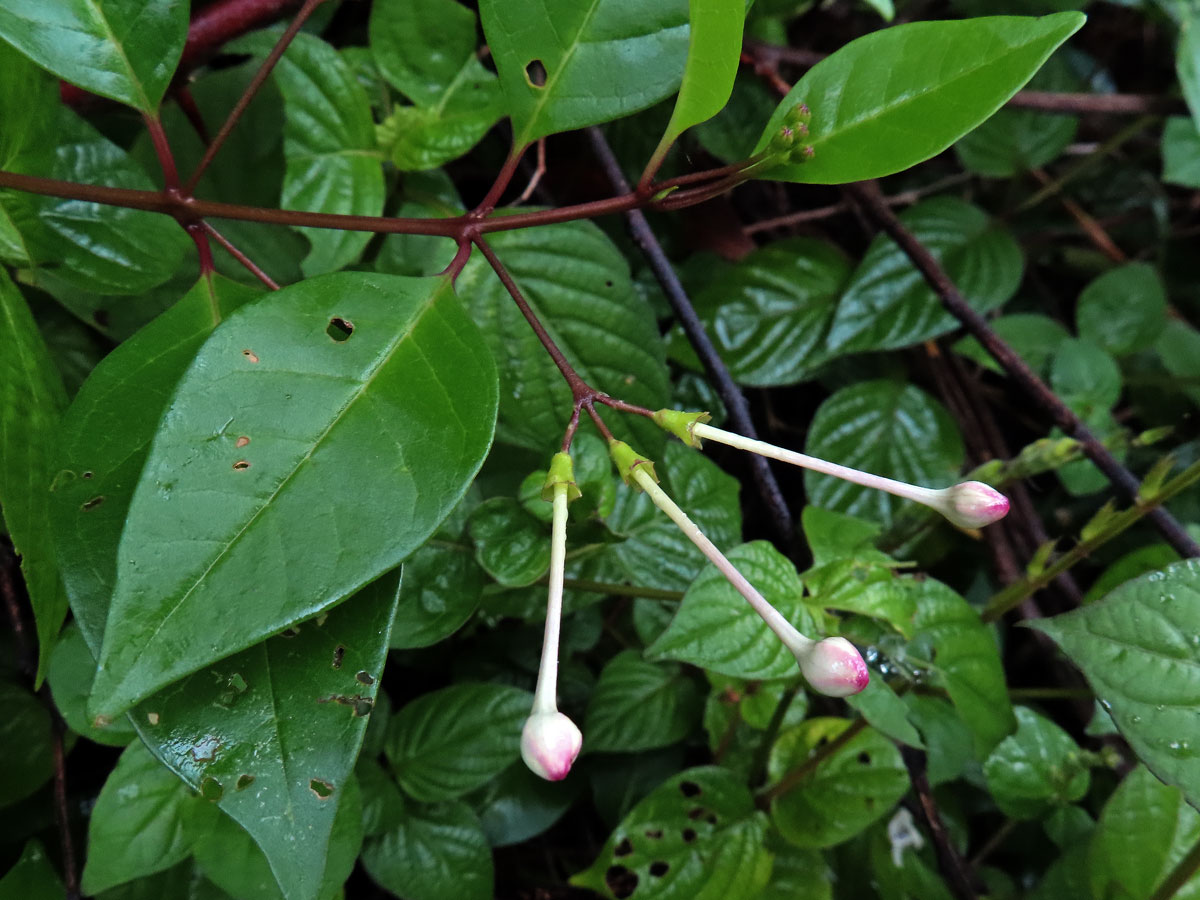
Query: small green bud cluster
788, 145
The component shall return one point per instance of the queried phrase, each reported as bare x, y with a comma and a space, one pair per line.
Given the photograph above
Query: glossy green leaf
887, 428
1139, 648
1124, 310
1181, 152
427, 50
511, 545
230, 858
730, 135
26, 758
446, 743
577, 282
438, 852
769, 315
1187, 58
517, 805
885, 711
949, 746
639, 705
852, 787
698, 836
31, 401
333, 164
888, 304
441, 589
1036, 338
901, 95
123, 49
1179, 349
1145, 829
182, 882
962, 657
428, 195
797, 873
137, 824
29, 110
1035, 769
565, 65
655, 552
714, 47
72, 668
1086, 377
716, 629
91, 247
32, 877
318, 388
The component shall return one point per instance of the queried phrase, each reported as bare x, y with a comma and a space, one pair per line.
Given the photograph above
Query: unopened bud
833, 667
549, 744
973, 504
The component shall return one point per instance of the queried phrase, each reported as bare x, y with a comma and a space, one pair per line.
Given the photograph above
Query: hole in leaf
340, 329
321, 788
250, 355
205, 749
339, 653
211, 789
87, 476
241, 465
92, 504
244, 781
695, 813
608, 283
153, 718
241, 442
654, 833
290, 632
621, 881
711, 818
624, 848
364, 678
864, 758
658, 868
535, 73
689, 835
689, 788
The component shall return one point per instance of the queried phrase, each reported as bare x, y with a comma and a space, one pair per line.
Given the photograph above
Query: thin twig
536, 178
241, 257
953, 867
866, 194
806, 768
62, 814
731, 395
1180, 875
1108, 104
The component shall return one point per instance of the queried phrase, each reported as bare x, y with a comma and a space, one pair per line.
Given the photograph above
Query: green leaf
517, 805
1187, 58
898, 96
769, 315
885, 711
797, 874
849, 789
1179, 349
426, 49
451, 741
698, 836
716, 629
232, 860
598, 61
26, 757
1181, 152
31, 400
303, 409
333, 163
1086, 377
578, 284
887, 428
123, 49
1139, 649
1035, 337
510, 544
949, 747
655, 552
91, 247
1035, 769
441, 589
963, 658
714, 48
32, 877
888, 304
137, 824
438, 852
639, 705
72, 668
1124, 310
1144, 831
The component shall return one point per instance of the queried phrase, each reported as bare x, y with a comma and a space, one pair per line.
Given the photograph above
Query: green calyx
679, 423
626, 458
562, 471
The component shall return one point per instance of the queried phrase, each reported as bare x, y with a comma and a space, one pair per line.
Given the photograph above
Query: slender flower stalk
832, 666
550, 741
971, 504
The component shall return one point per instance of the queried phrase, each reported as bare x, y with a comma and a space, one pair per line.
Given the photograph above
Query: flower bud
549, 744
833, 667
973, 504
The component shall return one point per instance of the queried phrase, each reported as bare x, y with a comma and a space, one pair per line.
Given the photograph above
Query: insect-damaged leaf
317, 439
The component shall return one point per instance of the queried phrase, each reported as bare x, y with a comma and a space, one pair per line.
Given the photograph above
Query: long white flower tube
550, 741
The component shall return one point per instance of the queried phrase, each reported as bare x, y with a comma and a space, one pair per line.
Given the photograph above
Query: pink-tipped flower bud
974, 504
549, 744
834, 667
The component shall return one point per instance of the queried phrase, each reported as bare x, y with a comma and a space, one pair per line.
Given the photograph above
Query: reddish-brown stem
488, 203
598, 422
572, 427
538, 172
953, 867
62, 815
162, 149
693, 177
187, 103
461, 256
251, 90
622, 406
197, 232
241, 257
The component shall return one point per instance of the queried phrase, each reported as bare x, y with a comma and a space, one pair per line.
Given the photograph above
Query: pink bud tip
549, 744
834, 667
974, 504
